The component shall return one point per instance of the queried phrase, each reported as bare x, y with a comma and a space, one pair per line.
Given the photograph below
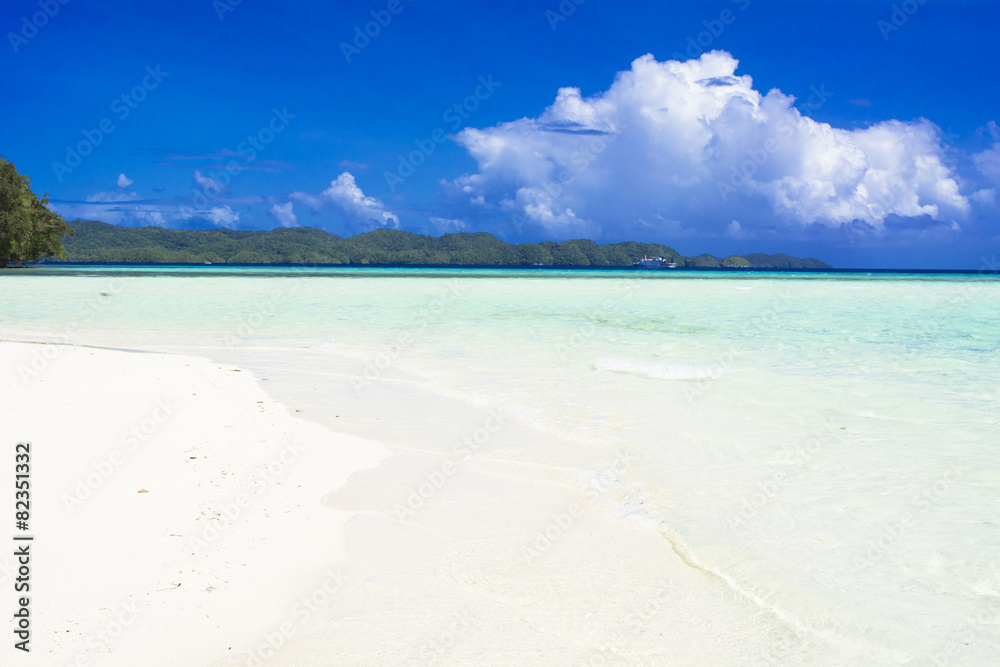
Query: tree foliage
735, 262
100, 242
28, 229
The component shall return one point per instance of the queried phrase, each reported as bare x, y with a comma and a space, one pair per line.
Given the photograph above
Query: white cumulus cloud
284, 215
223, 216
988, 161
124, 181
693, 143
359, 210
736, 231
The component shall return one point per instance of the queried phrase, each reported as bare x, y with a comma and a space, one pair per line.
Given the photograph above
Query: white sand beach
175, 506
535, 333
487, 491
183, 517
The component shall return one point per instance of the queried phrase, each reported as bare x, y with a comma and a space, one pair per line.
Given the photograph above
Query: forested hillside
100, 242
28, 229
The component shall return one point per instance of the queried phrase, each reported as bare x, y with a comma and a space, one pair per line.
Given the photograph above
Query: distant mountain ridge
100, 242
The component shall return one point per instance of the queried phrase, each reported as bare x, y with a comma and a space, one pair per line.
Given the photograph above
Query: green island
30, 232
101, 242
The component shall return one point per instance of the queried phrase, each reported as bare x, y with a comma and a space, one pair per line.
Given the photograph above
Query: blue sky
863, 133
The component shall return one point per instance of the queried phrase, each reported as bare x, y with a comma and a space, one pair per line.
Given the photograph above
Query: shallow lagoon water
824, 445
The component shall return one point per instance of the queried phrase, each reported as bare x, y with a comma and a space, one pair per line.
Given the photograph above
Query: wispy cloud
207, 184
225, 159
223, 216
129, 209
447, 225
351, 164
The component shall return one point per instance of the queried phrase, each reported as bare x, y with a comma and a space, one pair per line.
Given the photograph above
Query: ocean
664, 467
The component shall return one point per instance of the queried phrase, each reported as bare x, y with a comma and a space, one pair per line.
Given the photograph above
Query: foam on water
652, 370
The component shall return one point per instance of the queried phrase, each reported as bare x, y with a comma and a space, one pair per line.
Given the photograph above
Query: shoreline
490, 548
493, 561
731, 461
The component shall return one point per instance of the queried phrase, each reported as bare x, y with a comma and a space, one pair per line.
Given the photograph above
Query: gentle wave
656, 371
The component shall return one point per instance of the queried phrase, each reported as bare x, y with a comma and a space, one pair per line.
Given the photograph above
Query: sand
176, 508
184, 517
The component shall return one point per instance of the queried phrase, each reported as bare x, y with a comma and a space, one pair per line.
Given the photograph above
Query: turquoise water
825, 444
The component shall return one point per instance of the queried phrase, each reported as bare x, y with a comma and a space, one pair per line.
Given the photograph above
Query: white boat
650, 263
